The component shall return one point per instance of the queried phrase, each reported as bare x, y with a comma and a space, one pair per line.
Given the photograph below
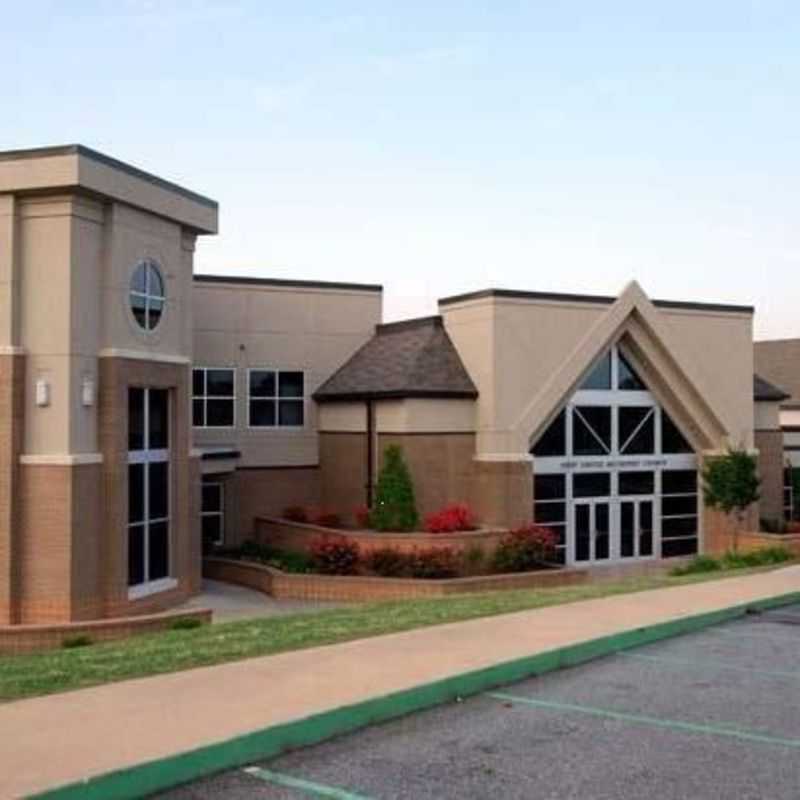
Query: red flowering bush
525, 548
362, 514
295, 514
428, 563
455, 517
327, 519
388, 562
335, 555
433, 562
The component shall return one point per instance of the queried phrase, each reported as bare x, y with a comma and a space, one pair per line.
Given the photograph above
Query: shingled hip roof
414, 358
766, 391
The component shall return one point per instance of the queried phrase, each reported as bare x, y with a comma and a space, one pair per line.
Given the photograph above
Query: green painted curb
164, 773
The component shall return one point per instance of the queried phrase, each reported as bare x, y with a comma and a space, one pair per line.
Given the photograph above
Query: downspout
370, 451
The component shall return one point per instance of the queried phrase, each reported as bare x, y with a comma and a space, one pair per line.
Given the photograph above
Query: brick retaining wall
297, 537
16, 639
359, 588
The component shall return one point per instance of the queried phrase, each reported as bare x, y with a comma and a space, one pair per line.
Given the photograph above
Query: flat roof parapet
560, 297
74, 166
288, 283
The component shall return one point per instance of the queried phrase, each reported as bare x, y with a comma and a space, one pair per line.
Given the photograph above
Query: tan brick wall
443, 468
12, 403
252, 493
45, 546
343, 470
503, 492
770, 468
440, 466
719, 529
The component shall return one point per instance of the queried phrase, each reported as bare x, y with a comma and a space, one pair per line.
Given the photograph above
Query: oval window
147, 294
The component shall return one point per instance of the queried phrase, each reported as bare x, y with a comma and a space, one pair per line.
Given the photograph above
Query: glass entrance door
592, 531
636, 529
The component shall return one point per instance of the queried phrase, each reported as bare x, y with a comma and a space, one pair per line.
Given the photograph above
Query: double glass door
606, 530
636, 529
592, 531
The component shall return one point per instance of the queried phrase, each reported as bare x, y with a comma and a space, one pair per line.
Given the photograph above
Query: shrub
76, 640
388, 562
454, 517
756, 558
335, 555
474, 557
525, 548
433, 563
362, 516
251, 549
395, 508
731, 485
295, 514
733, 560
186, 624
284, 560
697, 565
793, 527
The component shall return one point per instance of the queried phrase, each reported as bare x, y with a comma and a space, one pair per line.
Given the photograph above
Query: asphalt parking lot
715, 714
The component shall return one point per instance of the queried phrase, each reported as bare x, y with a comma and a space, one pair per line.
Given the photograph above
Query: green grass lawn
63, 670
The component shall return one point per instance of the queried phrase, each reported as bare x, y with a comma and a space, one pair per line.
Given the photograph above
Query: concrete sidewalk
52, 741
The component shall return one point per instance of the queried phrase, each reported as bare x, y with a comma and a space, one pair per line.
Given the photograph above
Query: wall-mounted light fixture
87, 390
42, 393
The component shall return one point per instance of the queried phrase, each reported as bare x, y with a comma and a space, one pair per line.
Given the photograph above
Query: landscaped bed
63, 670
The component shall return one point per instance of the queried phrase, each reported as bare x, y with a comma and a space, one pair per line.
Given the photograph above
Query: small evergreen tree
395, 508
731, 485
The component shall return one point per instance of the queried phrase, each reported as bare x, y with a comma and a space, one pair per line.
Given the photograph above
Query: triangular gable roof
677, 384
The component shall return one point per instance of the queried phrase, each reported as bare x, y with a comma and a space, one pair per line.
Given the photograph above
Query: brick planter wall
343, 588
297, 537
16, 639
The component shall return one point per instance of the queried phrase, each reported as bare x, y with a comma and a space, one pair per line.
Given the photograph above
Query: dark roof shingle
779, 362
414, 358
764, 390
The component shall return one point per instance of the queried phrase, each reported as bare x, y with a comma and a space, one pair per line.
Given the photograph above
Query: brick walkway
55, 740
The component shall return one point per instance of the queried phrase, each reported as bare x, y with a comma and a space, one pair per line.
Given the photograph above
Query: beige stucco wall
767, 416
342, 417
514, 347
425, 415
720, 347
249, 326
77, 256
790, 417
73, 227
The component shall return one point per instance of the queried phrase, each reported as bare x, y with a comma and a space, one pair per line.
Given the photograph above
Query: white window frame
616, 462
146, 456
221, 513
148, 264
205, 397
788, 491
276, 400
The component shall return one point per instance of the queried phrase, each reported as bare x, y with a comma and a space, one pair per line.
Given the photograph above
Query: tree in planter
394, 508
731, 485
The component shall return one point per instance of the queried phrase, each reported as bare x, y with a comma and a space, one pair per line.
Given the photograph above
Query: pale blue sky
565, 146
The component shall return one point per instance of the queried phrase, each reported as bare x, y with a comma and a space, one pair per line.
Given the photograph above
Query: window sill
154, 587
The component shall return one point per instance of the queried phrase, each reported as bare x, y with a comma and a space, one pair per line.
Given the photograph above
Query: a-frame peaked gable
656, 355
